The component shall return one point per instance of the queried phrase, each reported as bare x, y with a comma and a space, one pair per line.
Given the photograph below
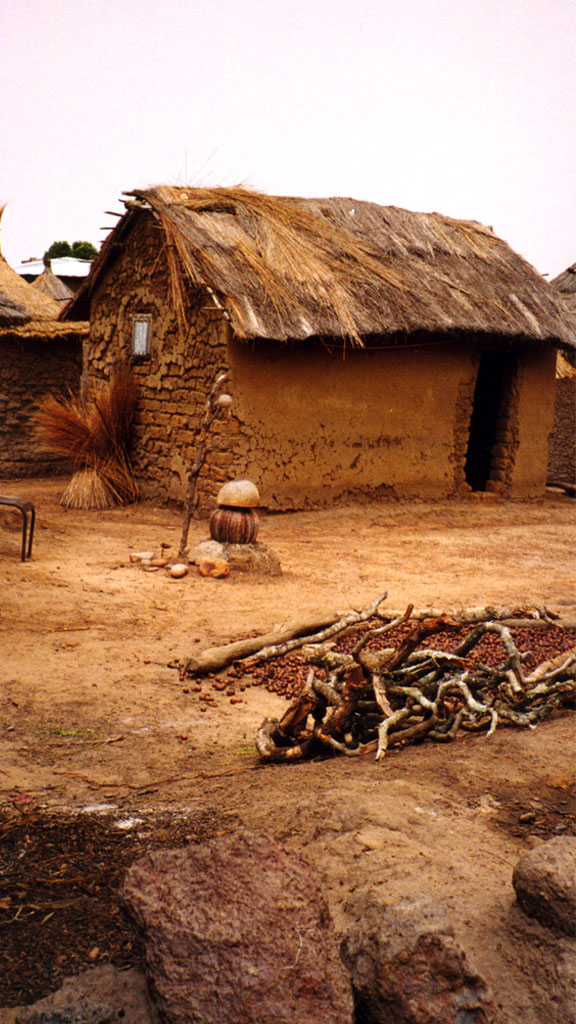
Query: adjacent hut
50, 285
70, 270
370, 350
562, 457
566, 285
38, 354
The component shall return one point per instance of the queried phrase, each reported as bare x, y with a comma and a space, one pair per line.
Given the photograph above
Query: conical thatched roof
566, 285
19, 301
287, 269
35, 304
51, 285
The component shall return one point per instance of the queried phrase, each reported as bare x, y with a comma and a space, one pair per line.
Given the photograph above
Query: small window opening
142, 335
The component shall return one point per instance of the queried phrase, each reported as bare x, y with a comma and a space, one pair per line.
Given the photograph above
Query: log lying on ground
279, 641
372, 699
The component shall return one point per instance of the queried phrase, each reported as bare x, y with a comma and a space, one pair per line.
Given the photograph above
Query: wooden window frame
142, 336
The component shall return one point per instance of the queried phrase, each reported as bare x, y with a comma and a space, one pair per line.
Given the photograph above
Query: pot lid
239, 494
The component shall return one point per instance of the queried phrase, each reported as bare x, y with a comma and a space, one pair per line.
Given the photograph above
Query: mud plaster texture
92, 716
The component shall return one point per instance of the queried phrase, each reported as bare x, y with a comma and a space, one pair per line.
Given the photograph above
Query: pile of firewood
371, 699
367, 696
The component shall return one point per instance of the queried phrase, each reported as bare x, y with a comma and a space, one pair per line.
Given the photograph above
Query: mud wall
536, 384
29, 369
562, 456
319, 427
327, 426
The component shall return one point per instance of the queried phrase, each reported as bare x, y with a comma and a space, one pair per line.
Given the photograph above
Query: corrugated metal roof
63, 266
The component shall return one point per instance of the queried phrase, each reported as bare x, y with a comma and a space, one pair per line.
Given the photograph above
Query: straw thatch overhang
289, 269
44, 330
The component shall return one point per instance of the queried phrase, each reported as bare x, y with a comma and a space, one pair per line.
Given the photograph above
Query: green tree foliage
80, 250
84, 250
58, 249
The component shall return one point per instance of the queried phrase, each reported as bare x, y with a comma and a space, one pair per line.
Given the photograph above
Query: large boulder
545, 884
237, 930
407, 967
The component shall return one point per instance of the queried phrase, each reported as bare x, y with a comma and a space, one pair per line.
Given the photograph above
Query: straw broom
95, 434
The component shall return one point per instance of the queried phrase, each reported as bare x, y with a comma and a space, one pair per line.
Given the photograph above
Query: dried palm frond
65, 427
95, 434
114, 411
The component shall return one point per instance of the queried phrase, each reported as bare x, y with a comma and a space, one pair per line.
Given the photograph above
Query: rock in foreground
99, 996
407, 968
545, 884
237, 930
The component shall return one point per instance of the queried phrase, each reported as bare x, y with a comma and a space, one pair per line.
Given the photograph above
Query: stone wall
29, 369
174, 381
562, 458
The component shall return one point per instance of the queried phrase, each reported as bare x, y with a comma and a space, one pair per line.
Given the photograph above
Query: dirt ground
96, 730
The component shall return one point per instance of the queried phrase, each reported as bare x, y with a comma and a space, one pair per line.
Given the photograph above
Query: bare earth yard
93, 717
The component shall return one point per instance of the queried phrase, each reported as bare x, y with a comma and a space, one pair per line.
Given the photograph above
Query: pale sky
465, 107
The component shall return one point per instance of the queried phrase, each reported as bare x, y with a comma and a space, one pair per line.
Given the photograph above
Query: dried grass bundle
87, 490
95, 434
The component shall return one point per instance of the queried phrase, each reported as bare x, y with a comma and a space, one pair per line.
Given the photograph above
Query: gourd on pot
235, 521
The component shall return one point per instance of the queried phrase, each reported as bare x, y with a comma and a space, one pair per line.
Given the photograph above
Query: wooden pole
212, 410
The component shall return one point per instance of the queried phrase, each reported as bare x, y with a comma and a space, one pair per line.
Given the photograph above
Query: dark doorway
490, 406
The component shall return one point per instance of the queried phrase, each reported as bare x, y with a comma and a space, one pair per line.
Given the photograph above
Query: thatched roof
288, 268
566, 281
34, 304
12, 312
51, 285
19, 301
566, 284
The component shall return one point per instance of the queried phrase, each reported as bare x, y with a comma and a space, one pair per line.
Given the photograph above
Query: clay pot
234, 525
238, 494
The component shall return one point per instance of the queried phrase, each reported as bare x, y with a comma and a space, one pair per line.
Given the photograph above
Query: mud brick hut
370, 350
562, 460
38, 354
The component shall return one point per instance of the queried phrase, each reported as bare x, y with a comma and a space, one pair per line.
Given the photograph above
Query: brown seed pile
287, 675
